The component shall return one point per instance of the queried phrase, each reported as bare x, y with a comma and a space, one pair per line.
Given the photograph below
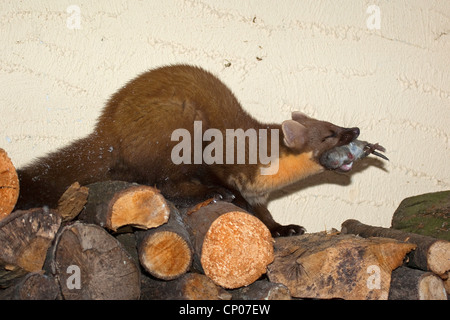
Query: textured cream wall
322, 57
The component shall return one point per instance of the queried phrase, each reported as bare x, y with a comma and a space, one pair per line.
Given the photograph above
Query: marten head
303, 134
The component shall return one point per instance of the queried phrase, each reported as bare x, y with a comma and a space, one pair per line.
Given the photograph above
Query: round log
9, 185
32, 286
166, 252
89, 263
25, 237
232, 246
114, 204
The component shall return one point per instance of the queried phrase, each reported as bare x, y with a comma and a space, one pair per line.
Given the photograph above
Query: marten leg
276, 229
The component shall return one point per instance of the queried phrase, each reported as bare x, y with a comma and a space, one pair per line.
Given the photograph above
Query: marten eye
332, 135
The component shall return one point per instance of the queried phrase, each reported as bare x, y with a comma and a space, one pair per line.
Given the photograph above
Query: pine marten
132, 141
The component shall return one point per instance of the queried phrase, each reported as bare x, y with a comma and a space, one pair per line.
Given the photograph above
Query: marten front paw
287, 231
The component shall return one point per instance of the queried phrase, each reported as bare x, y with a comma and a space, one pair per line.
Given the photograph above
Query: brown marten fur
132, 141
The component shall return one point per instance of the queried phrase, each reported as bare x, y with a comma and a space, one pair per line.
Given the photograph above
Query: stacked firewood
120, 240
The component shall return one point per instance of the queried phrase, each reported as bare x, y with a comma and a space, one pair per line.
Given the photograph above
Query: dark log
262, 290
231, 246
89, 263
25, 237
72, 202
9, 185
190, 286
32, 286
413, 284
326, 266
114, 204
431, 254
166, 252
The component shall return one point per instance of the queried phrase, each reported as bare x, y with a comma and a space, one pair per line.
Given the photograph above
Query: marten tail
43, 181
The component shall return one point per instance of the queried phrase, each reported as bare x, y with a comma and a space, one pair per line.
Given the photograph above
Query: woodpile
118, 240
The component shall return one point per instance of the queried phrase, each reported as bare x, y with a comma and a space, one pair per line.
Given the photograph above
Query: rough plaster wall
320, 57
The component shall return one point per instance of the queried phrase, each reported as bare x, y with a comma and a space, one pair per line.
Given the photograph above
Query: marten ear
294, 134
299, 116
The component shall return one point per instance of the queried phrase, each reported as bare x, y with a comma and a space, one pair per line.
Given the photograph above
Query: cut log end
37, 286
9, 185
446, 280
141, 206
33, 255
89, 263
438, 257
432, 288
165, 255
236, 250
26, 237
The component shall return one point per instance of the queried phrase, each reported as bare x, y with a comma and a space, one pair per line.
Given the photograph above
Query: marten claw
287, 231
221, 194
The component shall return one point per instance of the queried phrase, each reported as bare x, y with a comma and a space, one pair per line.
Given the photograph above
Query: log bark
430, 255
232, 247
25, 237
89, 263
336, 266
190, 286
166, 252
262, 290
426, 214
72, 202
32, 286
114, 204
413, 284
9, 185
129, 243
